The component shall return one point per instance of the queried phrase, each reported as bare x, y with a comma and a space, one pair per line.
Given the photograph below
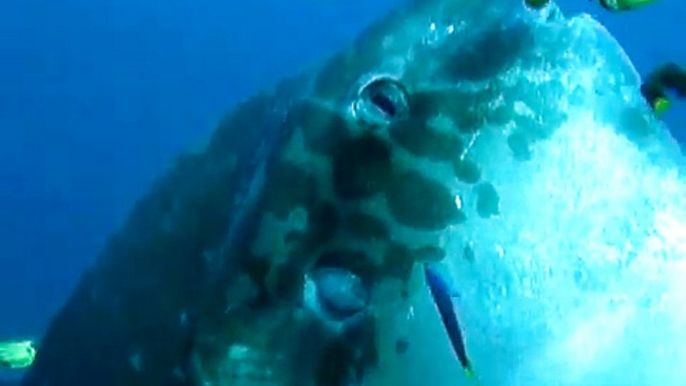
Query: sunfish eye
381, 101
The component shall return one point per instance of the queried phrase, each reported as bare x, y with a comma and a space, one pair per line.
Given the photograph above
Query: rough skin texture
365, 164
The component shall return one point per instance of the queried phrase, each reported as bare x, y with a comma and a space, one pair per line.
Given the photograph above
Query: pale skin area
580, 280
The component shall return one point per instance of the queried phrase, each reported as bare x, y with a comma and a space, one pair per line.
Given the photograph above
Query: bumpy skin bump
204, 284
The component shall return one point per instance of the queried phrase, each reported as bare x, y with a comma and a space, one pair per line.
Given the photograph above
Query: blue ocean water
97, 97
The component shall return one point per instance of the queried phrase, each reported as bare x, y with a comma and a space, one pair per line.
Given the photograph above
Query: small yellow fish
624, 5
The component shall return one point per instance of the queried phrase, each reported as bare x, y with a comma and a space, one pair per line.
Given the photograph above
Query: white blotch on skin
136, 360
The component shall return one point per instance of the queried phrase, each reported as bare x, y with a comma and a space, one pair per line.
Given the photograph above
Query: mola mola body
284, 252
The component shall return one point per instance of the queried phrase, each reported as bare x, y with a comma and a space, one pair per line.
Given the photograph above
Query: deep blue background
97, 96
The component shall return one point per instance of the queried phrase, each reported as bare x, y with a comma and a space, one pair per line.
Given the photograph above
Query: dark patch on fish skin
356, 262
334, 364
468, 253
287, 188
323, 128
489, 54
519, 144
401, 346
400, 259
292, 237
467, 171
365, 226
285, 281
257, 268
421, 203
530, 130
323, 223
417, 138
468, 111
361, 167
346, 358
488, 200
542, 127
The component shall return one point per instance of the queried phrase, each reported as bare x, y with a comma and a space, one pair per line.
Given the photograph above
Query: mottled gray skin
346, 167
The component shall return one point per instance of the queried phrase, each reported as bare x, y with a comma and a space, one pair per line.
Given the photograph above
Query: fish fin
447, 278
471, 375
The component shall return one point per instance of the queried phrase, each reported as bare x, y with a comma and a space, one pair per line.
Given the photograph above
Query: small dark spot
419, 202
366, 227
489, 54
468, 253
361, 167
488, 201
519, 145
467, 171
405, 293
401, 346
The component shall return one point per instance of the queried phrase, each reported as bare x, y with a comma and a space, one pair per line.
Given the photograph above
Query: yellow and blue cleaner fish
17, 355
442, 297
624, 5
610, 5
667, 77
